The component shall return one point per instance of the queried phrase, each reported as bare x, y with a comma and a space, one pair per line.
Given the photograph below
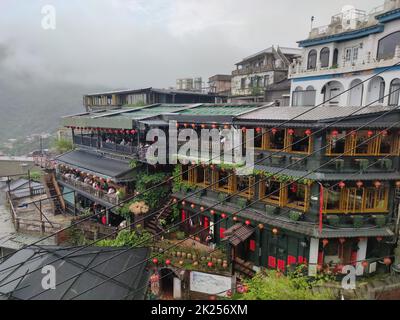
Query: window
271, 192
338, 143
243, 83
394, 92
304, 98
348, 54
312, 60
363, 144
298, 196
351, 54
275, 139
223, 181
299, 141
387, 46
387, 143
245, 186
335, 58
324, 57
356, 200
185, 173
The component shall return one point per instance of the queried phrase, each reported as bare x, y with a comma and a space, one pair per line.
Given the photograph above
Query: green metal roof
228, 110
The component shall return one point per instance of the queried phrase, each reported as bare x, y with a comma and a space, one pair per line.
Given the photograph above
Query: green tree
273, 285
126, 238
63, 145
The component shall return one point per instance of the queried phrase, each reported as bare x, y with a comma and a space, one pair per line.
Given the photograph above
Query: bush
180, 235
380, 220
333, 220
358, 221
294, 215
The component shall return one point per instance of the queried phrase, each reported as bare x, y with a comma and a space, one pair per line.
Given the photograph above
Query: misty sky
139, 43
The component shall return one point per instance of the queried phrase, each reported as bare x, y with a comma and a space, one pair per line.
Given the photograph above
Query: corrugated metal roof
318, 114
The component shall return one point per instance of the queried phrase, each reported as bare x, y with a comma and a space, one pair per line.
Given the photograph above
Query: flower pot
181, 262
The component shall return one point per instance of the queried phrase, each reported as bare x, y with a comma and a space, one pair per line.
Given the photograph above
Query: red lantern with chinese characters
248, 222
377, 184
155, 261
167, 262
359, 184
341, 184
291, 132
387, 261
325, 242
308, 132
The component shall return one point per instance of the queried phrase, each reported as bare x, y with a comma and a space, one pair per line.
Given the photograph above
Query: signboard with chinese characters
211, 284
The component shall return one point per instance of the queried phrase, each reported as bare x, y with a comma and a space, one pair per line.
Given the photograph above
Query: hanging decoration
308, 132
359, 184
274, 131
248, 222
291, 132
377, 184
325, 242
275, 231
342, 184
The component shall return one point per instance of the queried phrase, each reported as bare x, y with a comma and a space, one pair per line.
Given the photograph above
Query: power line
391, 110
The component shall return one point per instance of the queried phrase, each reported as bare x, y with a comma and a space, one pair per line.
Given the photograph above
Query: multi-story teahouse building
324, 190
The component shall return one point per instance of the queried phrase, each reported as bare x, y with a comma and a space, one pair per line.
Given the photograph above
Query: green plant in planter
222, 197
333, 220
380, 220
358, 221
180, 235
241, 202
271, 209
294, 215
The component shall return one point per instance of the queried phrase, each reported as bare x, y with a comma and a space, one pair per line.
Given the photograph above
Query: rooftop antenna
312, 21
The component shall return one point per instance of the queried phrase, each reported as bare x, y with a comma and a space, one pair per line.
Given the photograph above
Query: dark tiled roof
129, 285
238, 234
95, 163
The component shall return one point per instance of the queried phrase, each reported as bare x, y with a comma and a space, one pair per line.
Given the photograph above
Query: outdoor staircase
153, 225
244, 269
53, 191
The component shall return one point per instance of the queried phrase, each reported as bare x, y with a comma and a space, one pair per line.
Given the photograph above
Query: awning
238, 234
97, 164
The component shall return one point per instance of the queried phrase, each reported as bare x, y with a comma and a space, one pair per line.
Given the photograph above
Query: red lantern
275, 231
226, 126
379, 239
291, 132
274, 131
398, 184
202, 209
193, 126
342, 240
183, 203
334, 133
248, 222
370, 133
377, 184
175, 200
192, 206
341, 184
133, 131
203, 126
359, 184
210, 264
325, 242
308, 132
258, 130
212, 212
364, 264
387, 261
185, 125
214, 126
223, 216
155, 261
167, 262
244, 129
384, 133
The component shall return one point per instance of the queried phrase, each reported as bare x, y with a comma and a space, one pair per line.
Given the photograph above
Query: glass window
324, 57
297, 195
271, 191
276, 139
394, 92
387, 142
387, 46
332, 198
312, 60
300, 141
363, 142
338, 142
223, 180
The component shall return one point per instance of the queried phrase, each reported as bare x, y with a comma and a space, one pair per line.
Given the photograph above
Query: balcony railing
86, 141
99, 194
249, 70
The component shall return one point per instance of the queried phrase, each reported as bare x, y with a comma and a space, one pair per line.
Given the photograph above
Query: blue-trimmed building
344, 54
